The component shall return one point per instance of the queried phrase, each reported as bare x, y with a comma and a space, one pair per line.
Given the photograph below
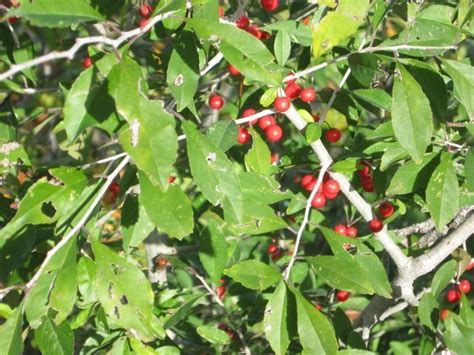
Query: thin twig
209, 289
71, 52
103, 161
79, 224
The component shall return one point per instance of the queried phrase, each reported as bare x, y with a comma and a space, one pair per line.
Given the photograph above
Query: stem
79, 224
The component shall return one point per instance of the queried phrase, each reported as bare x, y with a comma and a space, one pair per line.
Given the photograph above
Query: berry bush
236, 176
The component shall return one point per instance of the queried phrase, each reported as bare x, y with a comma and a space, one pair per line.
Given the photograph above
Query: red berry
292, 90
453, 296
220, 291
243, 136
318, 201
308, 95
340, 229
220, 11
162, 262
375, 225
443, 313
331, 187
464, 286
316, 118
318, 306
171, 179
87, 62
249, 112
363, 168
277, 254
282, 104
143, 22
114, 187
265, 35
232, 70
386, 209
342, 296
146, 10
274, 133
351, 231
272, 248
308, 181
216, 102
332, 135
306, 20
242, 22
254, 31
266, 121
269, 5
13, 19
367, 183
330, 196
275, 158
470, 266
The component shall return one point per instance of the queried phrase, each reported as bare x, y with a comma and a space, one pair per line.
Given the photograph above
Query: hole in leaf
116, 312
109, 289
123, 300
48, 209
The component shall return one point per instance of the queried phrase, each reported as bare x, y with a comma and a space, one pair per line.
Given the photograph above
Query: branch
71, 52
79, 224
307, 212
352, 195
365, 50
403, 284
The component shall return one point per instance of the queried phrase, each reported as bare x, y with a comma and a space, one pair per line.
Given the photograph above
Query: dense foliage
236, 176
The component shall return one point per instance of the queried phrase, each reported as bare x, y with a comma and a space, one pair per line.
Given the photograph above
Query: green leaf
54, 339
442, 193
392, 155
86, 275
268, 97
469, 169
463, 79
56, 287
299, 33
339, 25
459, 335
254, 274
365, 68
223, 134
368, 275
282, 47
245, 52
88, 102
411, 115
150, 139
181, 312
346, 166
11, 342
121, 302
135, 222
426, 308
176, 219
213, 335
314, 329
313, 132
275, 320
213, 172
45, 203
213, 250
258, 158
411, 176
421, 33
443, 277
376, 97
57, 13
182, 76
